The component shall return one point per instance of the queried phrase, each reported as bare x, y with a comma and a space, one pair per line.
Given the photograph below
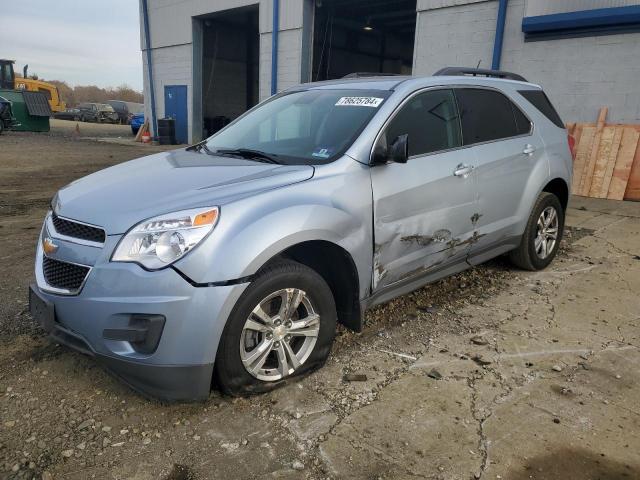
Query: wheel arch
337, 267
558, 187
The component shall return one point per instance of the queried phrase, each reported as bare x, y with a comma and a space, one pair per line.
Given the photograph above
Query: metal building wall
172, 33
579, 74
548, 7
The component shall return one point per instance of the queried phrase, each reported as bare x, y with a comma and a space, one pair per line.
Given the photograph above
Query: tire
230, 373
1, 127
83, 119
75, 119
530, 254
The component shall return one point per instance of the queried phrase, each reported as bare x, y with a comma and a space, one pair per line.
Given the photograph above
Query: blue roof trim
581, 20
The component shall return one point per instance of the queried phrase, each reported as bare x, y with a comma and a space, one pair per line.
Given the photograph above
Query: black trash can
166, 131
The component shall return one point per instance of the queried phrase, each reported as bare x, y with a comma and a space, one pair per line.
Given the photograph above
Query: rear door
422, 209
506, 151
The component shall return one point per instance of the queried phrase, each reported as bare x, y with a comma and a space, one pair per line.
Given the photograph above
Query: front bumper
180, 364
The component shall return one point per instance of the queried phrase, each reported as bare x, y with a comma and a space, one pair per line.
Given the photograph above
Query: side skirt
414, 283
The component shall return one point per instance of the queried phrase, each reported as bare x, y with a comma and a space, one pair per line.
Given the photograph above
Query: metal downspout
147, 41
497, 45
274, 46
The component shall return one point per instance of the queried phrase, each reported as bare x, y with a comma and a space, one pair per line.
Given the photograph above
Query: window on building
431, 121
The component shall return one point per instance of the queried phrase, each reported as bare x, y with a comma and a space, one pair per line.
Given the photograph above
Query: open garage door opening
230, 54
374, 36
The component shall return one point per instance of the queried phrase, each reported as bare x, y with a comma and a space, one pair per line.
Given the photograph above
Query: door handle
463, 170
529, 149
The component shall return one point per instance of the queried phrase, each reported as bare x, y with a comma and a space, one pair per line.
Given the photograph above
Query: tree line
72, 96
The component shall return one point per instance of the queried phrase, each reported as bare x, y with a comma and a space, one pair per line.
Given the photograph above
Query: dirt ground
494, 373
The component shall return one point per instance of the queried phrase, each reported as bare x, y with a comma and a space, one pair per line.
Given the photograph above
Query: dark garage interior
374, 36
230, 53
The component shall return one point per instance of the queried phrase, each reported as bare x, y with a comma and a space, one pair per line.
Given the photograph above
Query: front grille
77, 230
67, 276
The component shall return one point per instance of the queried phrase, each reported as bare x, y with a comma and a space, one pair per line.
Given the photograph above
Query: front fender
255, 229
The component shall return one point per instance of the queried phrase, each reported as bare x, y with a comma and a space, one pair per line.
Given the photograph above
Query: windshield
312, 126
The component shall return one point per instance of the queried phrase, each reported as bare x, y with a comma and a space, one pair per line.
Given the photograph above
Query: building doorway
230, 54
374, 36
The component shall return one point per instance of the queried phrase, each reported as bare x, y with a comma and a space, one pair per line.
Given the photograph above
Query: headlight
158, 242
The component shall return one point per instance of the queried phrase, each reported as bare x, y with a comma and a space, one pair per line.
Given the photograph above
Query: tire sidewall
548, 200
230, 372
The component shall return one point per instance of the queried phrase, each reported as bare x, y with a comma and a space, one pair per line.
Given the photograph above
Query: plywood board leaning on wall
632, 191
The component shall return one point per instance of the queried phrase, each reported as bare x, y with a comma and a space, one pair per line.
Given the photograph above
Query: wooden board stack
607, 162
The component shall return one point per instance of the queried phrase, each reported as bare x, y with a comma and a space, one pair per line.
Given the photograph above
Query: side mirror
380, 153
398, 152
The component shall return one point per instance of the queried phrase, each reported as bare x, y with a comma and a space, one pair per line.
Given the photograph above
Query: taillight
572, 145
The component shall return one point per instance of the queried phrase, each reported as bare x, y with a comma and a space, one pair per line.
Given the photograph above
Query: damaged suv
230, 262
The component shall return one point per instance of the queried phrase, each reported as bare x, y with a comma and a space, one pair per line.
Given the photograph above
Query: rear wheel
542, 235
282, 327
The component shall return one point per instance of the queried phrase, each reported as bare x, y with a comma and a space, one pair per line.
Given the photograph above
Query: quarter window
489, 115
523, 125
431, 121
540, 100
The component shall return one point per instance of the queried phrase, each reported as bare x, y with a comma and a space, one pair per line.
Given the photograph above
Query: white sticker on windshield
360, 101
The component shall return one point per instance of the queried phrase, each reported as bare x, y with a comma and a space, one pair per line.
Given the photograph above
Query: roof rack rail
370, 74
475, 72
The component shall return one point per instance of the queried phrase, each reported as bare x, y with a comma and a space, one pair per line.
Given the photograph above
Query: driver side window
431, 120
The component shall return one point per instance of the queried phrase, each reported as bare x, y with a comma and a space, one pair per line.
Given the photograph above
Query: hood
123, 195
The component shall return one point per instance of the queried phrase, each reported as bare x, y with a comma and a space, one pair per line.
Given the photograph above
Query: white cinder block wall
579, 74
172, 45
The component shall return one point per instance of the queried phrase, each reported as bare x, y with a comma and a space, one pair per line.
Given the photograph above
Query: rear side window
431, 121
540, 100
487, 115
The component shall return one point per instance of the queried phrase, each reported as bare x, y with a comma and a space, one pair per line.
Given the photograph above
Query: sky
81, 42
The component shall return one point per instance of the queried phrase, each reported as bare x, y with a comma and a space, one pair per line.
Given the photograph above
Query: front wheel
282, 327
542, 235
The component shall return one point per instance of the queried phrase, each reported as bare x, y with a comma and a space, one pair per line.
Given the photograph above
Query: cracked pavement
493, 373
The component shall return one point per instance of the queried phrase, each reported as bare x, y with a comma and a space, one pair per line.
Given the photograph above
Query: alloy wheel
279, 334
546, 232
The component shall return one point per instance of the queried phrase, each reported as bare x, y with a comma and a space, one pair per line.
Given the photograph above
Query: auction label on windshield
360, 101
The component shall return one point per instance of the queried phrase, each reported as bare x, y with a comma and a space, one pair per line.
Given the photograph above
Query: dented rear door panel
506, 179
422, 215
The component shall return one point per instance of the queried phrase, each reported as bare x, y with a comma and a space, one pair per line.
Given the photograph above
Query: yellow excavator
9, 81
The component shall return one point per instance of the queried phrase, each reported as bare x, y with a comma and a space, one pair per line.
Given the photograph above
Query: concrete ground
494, 373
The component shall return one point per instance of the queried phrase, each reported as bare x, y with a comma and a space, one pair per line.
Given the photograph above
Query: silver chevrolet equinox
230, 262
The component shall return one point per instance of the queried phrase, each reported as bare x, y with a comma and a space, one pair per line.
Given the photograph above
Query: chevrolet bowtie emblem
48, 246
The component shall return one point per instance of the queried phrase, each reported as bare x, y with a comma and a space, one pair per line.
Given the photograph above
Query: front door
175, 106
423, 209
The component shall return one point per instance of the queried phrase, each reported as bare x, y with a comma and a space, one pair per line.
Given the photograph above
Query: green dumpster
31, 110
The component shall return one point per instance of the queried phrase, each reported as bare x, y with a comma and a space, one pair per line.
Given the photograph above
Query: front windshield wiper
249, 154
201, 146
